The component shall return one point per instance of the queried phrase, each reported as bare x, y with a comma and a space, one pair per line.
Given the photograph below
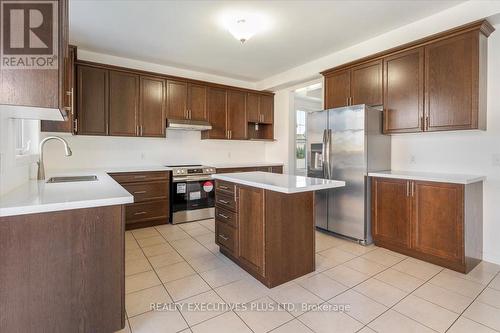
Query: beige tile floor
385, 291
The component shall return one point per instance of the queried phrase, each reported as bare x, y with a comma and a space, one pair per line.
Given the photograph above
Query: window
300, 142
24, 131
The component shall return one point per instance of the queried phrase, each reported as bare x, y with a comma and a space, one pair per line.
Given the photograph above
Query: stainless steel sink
72, 179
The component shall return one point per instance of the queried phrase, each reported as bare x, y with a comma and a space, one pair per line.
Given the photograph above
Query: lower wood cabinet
267, 233
437, 222
151, 197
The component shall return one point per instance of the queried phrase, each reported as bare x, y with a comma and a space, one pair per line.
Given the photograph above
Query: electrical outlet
413, 160
495, 160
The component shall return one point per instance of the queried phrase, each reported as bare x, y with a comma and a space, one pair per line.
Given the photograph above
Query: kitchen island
265, 223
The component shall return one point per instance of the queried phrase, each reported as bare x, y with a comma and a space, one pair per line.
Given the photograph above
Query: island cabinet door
251, 228
437, 219
391, 212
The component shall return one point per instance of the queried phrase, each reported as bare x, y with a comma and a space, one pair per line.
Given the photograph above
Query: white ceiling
186, 34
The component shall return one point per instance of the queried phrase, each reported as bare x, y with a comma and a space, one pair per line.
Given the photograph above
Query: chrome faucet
41, 168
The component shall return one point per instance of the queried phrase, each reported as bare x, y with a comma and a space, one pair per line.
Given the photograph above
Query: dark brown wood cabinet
267, 233
253, 108
452, 83
69, 125
260, 108
217, 114
123, 104
197, 102
151, 197
177, 97
391, 211
92, 100
43, 88
434, 84
152, 117
404, 92
358, 85
436, 222
236, 115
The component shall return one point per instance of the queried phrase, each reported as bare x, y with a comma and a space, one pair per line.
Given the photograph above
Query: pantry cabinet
434, 84
433, 221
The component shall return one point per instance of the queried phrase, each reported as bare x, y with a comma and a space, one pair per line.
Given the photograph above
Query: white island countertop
39, 196
429, 176
279, 182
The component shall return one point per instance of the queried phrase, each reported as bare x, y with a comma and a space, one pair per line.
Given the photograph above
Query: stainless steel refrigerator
345, 144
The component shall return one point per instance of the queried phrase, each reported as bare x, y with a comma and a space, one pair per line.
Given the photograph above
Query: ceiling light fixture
244, 26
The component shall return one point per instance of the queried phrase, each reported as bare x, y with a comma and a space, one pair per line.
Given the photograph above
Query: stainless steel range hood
188, 125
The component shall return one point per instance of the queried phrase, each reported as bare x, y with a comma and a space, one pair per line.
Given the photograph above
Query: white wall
469, 152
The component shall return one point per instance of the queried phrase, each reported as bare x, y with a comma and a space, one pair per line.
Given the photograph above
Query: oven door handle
190, 179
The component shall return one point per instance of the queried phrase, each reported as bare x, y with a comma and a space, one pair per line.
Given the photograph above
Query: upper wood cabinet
92, 100
236, 115
197, 102
69, 124
404, 91
123, 104
253, 108
453, 83
337, 89
177, 98
45, 87
260, 108
217, 113
152, 107
434, 84
359, 85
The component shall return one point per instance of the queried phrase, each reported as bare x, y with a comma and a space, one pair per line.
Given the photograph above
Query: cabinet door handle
412, 188
223, 216
407, 188
223, 237
421, 123
140, 213
428, 122
139, 192
223, 187
139, 176
75, 124
223, 201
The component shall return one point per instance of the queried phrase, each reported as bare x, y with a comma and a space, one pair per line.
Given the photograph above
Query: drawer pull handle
223, 216
139, 192
223, 237
224, 201
223, 187
140, 176
140, 213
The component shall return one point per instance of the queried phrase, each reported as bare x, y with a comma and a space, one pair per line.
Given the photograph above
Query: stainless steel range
192, 193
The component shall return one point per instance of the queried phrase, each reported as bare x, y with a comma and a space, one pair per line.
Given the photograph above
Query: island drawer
225, 236
133, 177
148, 191
226, 216
225, 201
225, 187
147, 211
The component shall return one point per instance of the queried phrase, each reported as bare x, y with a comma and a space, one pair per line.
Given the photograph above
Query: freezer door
346, 205
316, 124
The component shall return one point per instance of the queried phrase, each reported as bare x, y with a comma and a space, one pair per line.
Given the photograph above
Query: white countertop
243, 165
428, 176
39, 197
138, 168
279, 182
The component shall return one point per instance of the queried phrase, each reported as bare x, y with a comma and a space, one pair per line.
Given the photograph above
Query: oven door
193, 198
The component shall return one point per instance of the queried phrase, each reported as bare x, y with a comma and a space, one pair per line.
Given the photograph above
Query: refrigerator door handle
328, 133
323, 154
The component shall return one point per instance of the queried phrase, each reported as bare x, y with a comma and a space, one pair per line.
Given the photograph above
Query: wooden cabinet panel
123, 104
253, 113
92, 97
451, 83
177, 93
404, 92
226, 237
69, 95
267, 109
148, 191
197, 102
225, 201
366, 84
147, 211
391, 211
226, 216
251, 228
132, 177
217, 111
337, 89
437, 218
236, 115
152, 107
